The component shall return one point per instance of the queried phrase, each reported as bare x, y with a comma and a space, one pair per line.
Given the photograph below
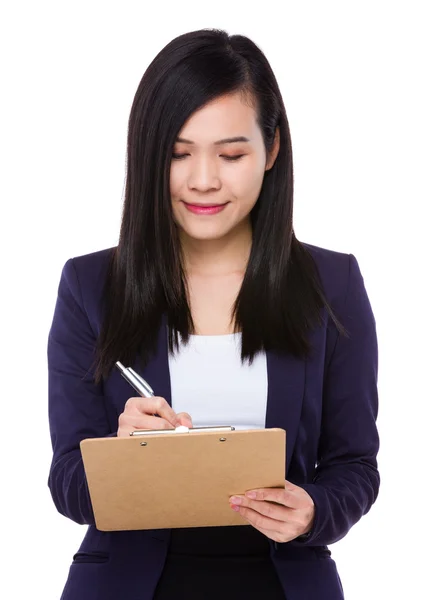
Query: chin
206, 236
197, 234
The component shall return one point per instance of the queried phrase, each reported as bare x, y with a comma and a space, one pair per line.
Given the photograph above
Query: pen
138, 383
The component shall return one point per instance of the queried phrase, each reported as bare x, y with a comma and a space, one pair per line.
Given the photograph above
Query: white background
351, 75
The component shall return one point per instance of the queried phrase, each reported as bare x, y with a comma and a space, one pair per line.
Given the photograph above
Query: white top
209, 382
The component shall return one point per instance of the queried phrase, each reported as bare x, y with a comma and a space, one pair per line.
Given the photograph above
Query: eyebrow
231, 140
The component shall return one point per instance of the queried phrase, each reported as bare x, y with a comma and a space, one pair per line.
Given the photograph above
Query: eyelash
229, 158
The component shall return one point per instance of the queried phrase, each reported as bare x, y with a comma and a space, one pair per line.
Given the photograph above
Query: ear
274, 150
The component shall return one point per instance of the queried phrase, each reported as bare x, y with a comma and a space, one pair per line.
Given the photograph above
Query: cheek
246, 184
244, 176
174, 181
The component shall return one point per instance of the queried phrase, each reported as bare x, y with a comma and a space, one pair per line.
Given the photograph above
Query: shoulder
333, 267
84, 277
341, 278
91, 269
327, 260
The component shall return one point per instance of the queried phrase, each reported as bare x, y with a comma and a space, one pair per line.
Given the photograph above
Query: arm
76, 404
346, 480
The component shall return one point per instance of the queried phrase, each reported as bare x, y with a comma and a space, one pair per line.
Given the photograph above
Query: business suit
327, 405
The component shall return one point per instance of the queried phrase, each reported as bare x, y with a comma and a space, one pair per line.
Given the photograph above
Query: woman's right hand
139, 413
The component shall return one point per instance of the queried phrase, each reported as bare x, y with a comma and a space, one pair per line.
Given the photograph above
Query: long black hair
281, 295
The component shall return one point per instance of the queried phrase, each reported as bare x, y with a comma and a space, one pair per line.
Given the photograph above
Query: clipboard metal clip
181, 429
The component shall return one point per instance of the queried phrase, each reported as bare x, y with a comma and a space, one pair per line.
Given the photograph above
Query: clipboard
158, 481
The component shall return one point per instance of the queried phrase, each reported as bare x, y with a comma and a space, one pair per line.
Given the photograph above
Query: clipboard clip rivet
222, 439
143, 443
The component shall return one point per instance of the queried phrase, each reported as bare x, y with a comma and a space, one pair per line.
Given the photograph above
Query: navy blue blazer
327, 404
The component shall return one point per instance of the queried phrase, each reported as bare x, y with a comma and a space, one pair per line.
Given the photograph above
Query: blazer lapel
156, 372
286, 385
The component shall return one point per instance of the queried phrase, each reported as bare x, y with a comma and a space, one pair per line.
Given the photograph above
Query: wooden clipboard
184, 480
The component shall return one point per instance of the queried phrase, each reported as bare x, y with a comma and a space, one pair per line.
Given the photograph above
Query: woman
207, 271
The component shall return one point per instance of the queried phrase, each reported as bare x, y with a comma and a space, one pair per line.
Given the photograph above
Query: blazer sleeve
75, 404
346, 480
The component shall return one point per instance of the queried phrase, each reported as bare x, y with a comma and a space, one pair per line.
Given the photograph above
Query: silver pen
138, 383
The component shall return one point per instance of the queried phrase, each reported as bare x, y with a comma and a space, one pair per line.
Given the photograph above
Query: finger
260, 521
162, 408
278, 512
279, 531
152, 406
283, 496
185, 419
145, 422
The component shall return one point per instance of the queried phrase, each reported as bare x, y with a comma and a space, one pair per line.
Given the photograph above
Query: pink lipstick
209, 209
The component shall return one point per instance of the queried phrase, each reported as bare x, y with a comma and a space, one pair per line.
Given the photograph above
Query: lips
205, 205
205, 209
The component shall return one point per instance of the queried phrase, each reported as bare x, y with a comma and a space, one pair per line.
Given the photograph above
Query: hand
139, 413
280, 514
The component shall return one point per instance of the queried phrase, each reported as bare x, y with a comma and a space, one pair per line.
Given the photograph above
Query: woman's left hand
280, 514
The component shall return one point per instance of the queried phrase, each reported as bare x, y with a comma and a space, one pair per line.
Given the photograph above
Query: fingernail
235, 507
235, 500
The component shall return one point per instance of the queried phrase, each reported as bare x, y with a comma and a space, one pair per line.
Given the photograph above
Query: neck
224, 256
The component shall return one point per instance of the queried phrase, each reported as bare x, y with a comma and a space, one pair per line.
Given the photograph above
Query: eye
229, 158
233, 157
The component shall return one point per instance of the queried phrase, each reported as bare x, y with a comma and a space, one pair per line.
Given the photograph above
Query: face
207, 170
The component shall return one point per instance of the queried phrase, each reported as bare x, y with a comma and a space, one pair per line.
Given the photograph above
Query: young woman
208, 290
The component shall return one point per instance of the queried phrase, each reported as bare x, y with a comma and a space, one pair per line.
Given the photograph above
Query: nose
203, 175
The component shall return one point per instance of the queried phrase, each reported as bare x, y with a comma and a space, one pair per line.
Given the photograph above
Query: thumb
185, 419
290, 486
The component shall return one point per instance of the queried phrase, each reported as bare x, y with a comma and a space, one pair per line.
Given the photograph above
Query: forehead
224, 117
